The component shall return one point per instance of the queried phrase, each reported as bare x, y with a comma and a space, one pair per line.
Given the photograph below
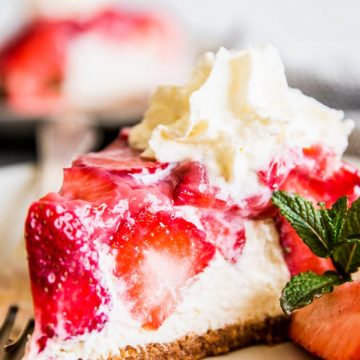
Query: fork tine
7, 325
13, 350
20, 342
22, 317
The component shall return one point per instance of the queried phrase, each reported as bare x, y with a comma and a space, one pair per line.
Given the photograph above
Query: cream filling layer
223, 294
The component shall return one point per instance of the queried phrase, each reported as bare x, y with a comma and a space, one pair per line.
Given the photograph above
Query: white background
309, 33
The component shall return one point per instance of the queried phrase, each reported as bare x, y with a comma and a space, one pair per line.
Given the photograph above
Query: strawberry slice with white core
157, 256
330, 326
63, 263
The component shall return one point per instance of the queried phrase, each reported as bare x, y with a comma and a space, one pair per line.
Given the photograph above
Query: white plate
17, 184
262, 352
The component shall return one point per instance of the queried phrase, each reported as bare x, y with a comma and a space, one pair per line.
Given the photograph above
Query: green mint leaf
328, 224
352, 223
346, 256
303, 288
333, 233
305, 219
338, 215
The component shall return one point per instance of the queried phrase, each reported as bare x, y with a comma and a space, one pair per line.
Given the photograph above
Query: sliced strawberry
257, 206
227, 232
120, 160
192, 186
88, 184
344, 181
330, 326
320, 176
158, 254
63, 263
298, 256
279, 168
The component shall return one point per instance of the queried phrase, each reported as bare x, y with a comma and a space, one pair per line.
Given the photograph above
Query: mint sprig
347, 255
329, 233
302, 289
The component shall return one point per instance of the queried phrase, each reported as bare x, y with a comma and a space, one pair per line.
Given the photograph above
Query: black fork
13, 349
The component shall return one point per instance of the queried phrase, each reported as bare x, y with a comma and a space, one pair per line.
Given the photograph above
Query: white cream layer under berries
170, 230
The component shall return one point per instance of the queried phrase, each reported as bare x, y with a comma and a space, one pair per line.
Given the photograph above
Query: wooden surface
15, 289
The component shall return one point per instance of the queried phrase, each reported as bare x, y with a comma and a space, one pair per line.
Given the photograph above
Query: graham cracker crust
214, 342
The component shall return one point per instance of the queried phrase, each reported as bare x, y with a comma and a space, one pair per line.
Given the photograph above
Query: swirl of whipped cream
236, 114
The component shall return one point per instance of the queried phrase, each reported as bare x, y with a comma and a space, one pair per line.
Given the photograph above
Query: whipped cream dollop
236, 114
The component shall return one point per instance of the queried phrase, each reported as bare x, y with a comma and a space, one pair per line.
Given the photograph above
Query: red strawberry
120, 160
298, 256
88, 184
321, 176
227, 232
279, 168
63, 265
158, 254
257, 206
344, 181
33, 66
330, 326
192, 186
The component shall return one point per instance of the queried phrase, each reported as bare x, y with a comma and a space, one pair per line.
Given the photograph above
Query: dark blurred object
12, 343
340, 94
18, 136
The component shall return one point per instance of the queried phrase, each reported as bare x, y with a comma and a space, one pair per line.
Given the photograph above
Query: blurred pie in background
91, 55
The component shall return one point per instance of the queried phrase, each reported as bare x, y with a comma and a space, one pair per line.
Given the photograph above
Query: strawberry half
330, 326
63, 264
157, 255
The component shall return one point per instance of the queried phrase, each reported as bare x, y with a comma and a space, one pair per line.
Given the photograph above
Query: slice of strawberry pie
54, 62
165, 245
